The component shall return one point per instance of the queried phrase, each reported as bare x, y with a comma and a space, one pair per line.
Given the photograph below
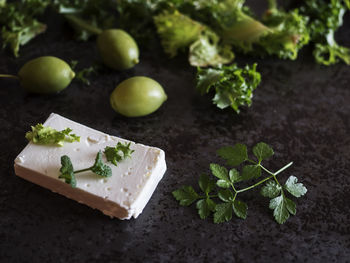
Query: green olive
118, 49
45, 75
137, 96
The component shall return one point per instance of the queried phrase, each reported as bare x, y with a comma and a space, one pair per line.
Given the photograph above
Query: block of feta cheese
123, 195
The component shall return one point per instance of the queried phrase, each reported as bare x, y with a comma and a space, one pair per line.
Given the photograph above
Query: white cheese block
123, 195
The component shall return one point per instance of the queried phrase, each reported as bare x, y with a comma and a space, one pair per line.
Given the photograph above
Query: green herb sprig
118, 153
228, 192
113, 154
68, 173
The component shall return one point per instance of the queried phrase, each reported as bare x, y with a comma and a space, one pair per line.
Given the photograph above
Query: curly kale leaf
325, 19
233, 86
19, 24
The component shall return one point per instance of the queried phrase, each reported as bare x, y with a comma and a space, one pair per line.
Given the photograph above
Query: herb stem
83, 24
254, 185
9, 76
267, 178
83, 170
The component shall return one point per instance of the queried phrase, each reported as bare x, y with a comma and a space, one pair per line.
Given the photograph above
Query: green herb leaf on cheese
118, 153
100, 168
47, 135
67, 172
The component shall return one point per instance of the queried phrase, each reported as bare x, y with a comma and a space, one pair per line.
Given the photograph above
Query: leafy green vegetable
206, 51
326, 16
233, 86
47, 135
227, 182
186, 195
87, 17
177, 31
68, 174
118, 153
19, 23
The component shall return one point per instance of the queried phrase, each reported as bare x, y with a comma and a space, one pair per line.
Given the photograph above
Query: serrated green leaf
234, 155
225, 195
186, 195
291, 206
234, 176
206, 184
223, 184
240, 208
118, 153
271, 189
262, 151
250, 172
281, 206
205, 206
100, 168
67, 171
295, 188
219, 172
223, 212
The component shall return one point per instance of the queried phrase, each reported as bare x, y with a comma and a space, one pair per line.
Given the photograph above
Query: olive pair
50, 74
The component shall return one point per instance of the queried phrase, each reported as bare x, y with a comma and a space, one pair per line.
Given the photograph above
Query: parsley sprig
228, 192
68, 173
118, 153
113, 154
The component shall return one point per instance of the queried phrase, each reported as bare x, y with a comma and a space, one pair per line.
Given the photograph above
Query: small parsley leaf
251, 172
221, 173
223, 212
240, 208
118, 153
225, 195
100, 168
282, 208
271, 189
186, 195
206, 184
67, 172
205, 207
295, 188
262, 151
234, 176
234, 155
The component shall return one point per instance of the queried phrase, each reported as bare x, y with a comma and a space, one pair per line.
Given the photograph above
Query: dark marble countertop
300, 108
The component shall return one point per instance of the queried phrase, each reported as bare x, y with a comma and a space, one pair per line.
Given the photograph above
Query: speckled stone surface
300, 108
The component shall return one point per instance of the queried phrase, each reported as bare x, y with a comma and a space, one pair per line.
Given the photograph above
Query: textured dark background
301, 109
